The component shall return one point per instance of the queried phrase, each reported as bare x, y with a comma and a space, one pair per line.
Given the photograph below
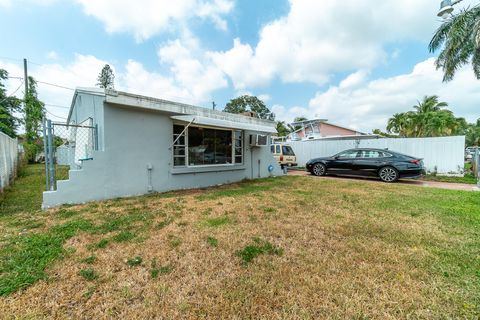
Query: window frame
339, 155
186, 146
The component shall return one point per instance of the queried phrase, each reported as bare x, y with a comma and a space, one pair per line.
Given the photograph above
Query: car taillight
281, 158
415, 161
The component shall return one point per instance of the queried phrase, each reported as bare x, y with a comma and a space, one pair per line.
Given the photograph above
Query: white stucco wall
135, 139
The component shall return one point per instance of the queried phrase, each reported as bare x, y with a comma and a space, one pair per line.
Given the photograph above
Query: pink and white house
320, 128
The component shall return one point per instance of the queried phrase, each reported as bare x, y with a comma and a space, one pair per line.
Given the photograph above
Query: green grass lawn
281, 248
468, 178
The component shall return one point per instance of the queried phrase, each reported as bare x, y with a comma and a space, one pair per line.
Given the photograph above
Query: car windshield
287, 151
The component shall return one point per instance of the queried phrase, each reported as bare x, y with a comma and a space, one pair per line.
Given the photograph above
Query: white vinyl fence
444, 155
8, 159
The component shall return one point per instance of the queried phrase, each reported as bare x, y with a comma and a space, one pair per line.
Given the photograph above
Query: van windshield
287, 151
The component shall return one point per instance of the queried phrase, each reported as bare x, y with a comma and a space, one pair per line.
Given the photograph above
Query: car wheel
319, 169
388, 174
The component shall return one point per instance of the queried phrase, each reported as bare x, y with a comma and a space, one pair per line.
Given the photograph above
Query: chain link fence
67, 147
9, 157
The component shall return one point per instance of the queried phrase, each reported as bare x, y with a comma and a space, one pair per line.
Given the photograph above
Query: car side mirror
336, 157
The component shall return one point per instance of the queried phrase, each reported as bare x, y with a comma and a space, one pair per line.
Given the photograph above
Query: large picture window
198, 146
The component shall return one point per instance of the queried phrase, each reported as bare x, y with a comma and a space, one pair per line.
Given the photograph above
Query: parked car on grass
284, 155
388, 165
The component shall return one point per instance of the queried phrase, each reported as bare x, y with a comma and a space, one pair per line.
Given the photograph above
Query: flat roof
175, 108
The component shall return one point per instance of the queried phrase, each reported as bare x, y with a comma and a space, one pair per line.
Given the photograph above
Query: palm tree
430, 104
430, 119
459, 40
399, 123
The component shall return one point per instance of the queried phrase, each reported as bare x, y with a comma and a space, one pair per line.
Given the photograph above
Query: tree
379, 132
249, 103
34, 112
8, 107
430, 118
297, 127
472, 134
459, 40
282, 129
106, 78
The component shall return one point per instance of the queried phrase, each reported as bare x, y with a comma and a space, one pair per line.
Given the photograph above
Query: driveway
418, 183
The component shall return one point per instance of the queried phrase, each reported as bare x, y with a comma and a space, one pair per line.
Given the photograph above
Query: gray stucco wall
87, 106
135, 139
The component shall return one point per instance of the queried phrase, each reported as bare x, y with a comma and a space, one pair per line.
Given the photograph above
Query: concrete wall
443, 154
328, 130
135, 139
87, 106
8, 159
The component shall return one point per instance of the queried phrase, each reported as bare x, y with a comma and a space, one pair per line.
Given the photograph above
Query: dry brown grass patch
344, 256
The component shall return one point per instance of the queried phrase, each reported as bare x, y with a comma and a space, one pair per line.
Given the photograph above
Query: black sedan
389, 166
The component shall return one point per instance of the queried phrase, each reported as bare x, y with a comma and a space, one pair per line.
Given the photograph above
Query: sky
353, 62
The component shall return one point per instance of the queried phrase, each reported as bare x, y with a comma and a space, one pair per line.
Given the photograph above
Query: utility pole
214, 105
25, 79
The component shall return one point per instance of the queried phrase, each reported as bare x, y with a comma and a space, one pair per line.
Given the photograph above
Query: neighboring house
318, 129
151, 145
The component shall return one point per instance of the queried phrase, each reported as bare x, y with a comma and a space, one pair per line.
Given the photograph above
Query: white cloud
145, 18
189, 80
370, 103
10, 3
288, 114
264, 97
192, 68
319, 38
52, 55
81, 72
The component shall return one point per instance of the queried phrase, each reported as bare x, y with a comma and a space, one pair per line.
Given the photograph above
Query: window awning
224, 123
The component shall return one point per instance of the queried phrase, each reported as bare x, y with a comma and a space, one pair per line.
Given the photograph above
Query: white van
284, 155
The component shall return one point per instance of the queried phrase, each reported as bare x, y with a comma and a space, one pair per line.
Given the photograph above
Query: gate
66, 147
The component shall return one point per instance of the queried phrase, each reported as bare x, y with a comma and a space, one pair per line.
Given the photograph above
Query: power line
43, 82
55, 85
56, 106
8, 58
55, 115
11, 94
20, 60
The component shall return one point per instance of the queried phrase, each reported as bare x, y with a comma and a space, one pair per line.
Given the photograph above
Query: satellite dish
446, 9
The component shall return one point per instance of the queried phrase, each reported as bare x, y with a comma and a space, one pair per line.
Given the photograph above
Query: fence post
50, 156
45, 154
477, 166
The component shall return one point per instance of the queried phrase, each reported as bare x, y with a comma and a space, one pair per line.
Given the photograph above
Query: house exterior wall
139, 139
87, 106
328, 130
320, 130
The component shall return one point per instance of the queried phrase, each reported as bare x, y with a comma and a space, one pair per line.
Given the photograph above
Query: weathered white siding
443, 154
8, 159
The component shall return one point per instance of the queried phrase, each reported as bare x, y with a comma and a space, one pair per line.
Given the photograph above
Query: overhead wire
11, 94
63, 118
55, 85
56, 106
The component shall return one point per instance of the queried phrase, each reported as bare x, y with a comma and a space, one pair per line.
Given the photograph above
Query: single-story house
144, 144
320, 128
